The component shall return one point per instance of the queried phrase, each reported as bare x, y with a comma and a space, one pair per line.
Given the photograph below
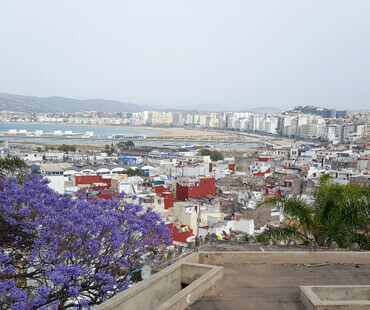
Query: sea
104, 131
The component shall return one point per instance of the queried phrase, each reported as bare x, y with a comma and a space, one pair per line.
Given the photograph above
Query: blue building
127, 161
329, 113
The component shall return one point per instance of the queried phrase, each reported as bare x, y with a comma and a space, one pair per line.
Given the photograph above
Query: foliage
307, 110
67, 148
12, 164
338, 213
124, 144
57, 252
279, 233
109, 149
215, 155
135, 172
130, 143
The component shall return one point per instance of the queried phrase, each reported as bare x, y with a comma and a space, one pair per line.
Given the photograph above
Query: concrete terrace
243, 280
275, 286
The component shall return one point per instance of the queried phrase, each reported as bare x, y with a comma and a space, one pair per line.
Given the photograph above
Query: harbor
68, 134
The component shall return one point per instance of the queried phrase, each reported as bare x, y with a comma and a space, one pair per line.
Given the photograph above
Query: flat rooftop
275, 286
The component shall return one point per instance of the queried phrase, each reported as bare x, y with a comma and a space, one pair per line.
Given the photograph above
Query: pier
58, 134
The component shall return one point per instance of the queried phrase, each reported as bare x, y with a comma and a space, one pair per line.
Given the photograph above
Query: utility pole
198, 220
198, 223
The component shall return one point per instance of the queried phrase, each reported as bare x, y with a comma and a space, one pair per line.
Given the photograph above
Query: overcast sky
191, 53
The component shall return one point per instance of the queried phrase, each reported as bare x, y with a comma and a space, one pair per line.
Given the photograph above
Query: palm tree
337, 213
9, 165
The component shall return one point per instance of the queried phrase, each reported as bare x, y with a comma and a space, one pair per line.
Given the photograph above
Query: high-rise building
177, 119
160, 118
341, 113
329, 113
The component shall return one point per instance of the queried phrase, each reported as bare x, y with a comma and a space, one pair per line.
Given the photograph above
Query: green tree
67, 148
215, 155
110, 151
10, 165
135, 172
338, 213
124, 144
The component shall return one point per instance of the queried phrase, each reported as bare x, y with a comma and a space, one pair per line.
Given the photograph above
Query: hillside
60, 104
31, 104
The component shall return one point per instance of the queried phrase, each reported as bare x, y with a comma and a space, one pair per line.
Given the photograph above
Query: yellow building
160, 118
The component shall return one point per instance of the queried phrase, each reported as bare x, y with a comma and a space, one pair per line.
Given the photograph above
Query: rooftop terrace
275, 286
244, 280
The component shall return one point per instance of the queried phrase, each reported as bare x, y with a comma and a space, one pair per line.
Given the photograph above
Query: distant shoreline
163, 132
182, 133
87, 125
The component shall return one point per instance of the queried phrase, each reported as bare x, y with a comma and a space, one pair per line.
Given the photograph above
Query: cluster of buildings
195, 195
322, 124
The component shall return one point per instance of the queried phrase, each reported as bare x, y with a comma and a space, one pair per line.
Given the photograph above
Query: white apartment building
160, 118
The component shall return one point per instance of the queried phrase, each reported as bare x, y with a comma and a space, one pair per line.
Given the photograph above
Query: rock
233, 239
312, 246
355, 247
211, 237
334, 246
271, 242
206, 240
291, 243
251, 240
170, 254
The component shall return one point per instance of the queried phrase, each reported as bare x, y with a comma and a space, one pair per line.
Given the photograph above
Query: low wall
220, 258
164, 289
193, 291
355, 297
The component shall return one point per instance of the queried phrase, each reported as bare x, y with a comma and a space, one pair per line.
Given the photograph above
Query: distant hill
307, 110
232, 108
18, 103
60, 104
263, 110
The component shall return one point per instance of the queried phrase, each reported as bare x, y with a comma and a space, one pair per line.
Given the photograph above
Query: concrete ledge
164, 290
220, 258
335, 297
193, 291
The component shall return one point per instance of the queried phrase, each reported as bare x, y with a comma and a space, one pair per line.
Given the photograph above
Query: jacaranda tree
58, 253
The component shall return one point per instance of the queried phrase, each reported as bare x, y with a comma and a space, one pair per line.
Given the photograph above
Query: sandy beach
176, 133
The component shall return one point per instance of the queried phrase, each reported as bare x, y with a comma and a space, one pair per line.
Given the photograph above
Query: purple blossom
53, 245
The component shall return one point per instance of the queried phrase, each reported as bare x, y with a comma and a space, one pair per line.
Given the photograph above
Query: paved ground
275, 287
